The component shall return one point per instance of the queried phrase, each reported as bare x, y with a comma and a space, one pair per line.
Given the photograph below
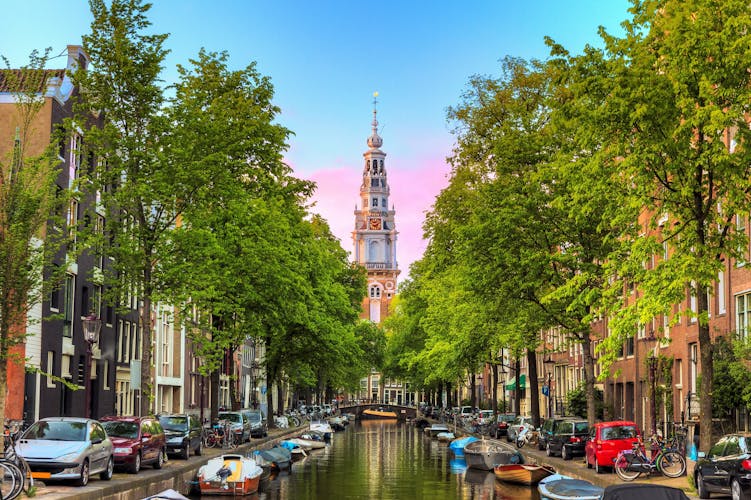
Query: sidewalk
578, 468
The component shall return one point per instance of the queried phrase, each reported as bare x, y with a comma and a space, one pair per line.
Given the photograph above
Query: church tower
375, 232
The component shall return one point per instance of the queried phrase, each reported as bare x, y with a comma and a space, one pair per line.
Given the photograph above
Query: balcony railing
378, 265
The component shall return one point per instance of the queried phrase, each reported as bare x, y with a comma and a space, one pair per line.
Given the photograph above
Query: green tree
676, 83
29, 201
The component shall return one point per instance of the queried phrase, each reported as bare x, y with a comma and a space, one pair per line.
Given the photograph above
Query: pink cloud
413, 191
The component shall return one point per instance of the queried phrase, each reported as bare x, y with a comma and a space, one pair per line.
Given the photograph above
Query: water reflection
385, 460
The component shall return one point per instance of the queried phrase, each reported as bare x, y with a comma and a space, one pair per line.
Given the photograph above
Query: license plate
41, 475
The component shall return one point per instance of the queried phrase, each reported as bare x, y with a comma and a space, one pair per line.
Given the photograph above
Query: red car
137, 441
606, 439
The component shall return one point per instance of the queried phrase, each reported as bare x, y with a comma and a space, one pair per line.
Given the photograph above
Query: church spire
375, 141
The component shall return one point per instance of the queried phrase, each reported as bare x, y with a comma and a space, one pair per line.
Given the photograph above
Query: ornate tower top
375, 141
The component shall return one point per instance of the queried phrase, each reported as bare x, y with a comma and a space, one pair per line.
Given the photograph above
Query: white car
67, 448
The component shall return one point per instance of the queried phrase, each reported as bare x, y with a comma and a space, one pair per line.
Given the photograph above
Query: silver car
67, 448
516, 426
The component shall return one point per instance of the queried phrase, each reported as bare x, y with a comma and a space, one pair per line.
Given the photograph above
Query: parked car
606, 440
258, 425
238, 423
67, 448
568, 439
137, 441
726, 468
517, 425
485, 417
546, 431
502, 422
183, 434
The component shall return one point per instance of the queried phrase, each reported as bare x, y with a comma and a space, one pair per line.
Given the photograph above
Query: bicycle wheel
671, 464
211, 440
520, 442
10, 480
621, 467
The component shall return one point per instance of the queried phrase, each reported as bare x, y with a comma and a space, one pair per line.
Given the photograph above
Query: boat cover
460, 443
570, 489
641, 491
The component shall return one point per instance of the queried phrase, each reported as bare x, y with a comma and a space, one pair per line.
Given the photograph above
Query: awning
511, 386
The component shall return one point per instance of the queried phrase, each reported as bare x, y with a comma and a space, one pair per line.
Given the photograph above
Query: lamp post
549, 363
652, 363
91, 328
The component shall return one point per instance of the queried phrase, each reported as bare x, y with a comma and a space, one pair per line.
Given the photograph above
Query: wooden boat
379, 413
487, 453
566, 488
276, 458
457, 445
234, 475
522, 473
435, 429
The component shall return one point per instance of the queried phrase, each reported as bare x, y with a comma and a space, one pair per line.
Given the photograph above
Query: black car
183, 433
568, 439
726, 468
503, 420
546, 431
258, 425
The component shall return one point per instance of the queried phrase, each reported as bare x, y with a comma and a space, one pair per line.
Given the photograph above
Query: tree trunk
472, 390
214, 396
589, 379
3, 381
147, 389
517, 389
706, 351
494, 372
233, 380
534, 387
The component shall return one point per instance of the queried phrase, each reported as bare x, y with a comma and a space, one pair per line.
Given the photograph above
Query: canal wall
177, 474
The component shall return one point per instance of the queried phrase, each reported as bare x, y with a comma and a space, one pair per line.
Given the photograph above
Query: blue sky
327, 58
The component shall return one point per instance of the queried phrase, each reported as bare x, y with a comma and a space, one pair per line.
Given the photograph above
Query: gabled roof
28, 80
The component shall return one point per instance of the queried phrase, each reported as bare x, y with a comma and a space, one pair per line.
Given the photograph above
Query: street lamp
91, 328
549, 363
652, 364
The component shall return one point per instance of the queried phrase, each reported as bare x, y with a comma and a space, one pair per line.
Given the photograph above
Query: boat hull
378, 415
486, 455
569, 489
229, 475
522, 474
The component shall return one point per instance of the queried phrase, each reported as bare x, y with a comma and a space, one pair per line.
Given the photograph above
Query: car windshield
581, 427
120, 429
232, 417
618, 432
254, 416
57, 431
172, 423
507, 418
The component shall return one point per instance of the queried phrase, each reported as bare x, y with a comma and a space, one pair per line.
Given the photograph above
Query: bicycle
630, 464
220, 435
15, 464
527, 435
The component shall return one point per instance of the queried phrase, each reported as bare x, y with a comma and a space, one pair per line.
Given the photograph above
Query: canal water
386, 460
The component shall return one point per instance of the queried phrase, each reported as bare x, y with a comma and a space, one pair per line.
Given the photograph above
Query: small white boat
435, 429
445, 437
307, 444
323, 427
229, 475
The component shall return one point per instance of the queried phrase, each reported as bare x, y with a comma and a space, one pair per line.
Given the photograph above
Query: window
692, 302
740, 227
375, 202
743, 314
375, 292
721, 308
630, 346
693, 352
50, 368
55, 296
72, 220
69, 288
76, 145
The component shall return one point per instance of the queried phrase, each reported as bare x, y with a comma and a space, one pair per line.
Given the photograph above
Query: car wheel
540, 444
106, 474
159, 460
735, 490
701, 488
136, 465
586, 460
565, 453
199, 450
548, 450
84, 479
598, 468
186, 451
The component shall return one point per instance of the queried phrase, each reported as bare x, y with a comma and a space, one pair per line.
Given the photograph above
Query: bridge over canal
402, 412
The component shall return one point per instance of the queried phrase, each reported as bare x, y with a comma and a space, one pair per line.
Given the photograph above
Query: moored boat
234, 475
277, 458
378, 413
435, 429
337, 423
458, 444
323, 427
566, 488
522, 473
487, 453
445, 437
307, 444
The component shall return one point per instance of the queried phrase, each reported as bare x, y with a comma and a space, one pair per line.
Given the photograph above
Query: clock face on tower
375, 224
